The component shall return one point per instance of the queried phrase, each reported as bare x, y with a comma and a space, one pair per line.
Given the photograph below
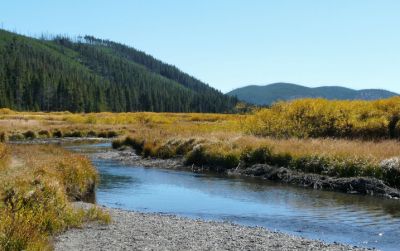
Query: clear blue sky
231, 43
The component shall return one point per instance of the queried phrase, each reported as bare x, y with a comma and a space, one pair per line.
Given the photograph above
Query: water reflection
109, 181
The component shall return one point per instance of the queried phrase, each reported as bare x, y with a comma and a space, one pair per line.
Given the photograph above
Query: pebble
150, 231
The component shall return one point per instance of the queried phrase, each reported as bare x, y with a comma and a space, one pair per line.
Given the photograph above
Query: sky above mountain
232, 43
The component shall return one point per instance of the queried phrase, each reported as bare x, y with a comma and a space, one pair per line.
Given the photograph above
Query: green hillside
268, 94
90, 75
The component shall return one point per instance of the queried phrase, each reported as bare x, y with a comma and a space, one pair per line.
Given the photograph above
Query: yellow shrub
323, 118
6, 111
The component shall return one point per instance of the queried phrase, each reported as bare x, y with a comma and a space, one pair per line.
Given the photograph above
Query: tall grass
37, 184
4, 157
218, 152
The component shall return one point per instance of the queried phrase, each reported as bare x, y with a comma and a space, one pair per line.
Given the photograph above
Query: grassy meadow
335, 138
304, 118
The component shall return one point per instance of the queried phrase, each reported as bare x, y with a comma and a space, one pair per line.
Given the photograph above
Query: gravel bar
150, 231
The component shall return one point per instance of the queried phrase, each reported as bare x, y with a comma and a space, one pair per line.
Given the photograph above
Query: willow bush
326, 118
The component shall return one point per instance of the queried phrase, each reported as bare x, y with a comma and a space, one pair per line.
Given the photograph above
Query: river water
332, 217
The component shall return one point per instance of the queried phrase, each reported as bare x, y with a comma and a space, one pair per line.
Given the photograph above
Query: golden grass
227, 130
4, 157
377, 150
307, 118
3, 151
314, 118
75, 172
17, 123
220, 151
37, 184
290, 127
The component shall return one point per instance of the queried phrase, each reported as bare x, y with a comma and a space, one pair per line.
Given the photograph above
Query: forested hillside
269, 94
91, 75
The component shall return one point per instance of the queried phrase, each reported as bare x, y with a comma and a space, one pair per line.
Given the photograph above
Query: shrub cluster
391, 171
324, 118
3, 137
29, 135
44, 134
57, 134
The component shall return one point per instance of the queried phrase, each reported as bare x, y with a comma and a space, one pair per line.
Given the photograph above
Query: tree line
93, 75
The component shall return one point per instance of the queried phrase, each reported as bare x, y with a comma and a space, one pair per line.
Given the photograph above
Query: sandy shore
143, 231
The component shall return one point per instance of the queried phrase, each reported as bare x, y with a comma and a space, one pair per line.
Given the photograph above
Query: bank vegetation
37, 185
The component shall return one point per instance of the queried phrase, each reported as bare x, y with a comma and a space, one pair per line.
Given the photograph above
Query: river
328, 216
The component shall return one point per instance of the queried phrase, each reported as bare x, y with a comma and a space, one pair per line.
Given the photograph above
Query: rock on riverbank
143, 231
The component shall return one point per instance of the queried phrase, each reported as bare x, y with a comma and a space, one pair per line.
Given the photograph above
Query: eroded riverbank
352, 185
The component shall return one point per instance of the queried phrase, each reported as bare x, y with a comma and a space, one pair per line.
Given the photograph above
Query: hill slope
268, 94
91, 75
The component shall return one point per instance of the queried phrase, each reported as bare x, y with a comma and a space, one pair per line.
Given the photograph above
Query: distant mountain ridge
269, 94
